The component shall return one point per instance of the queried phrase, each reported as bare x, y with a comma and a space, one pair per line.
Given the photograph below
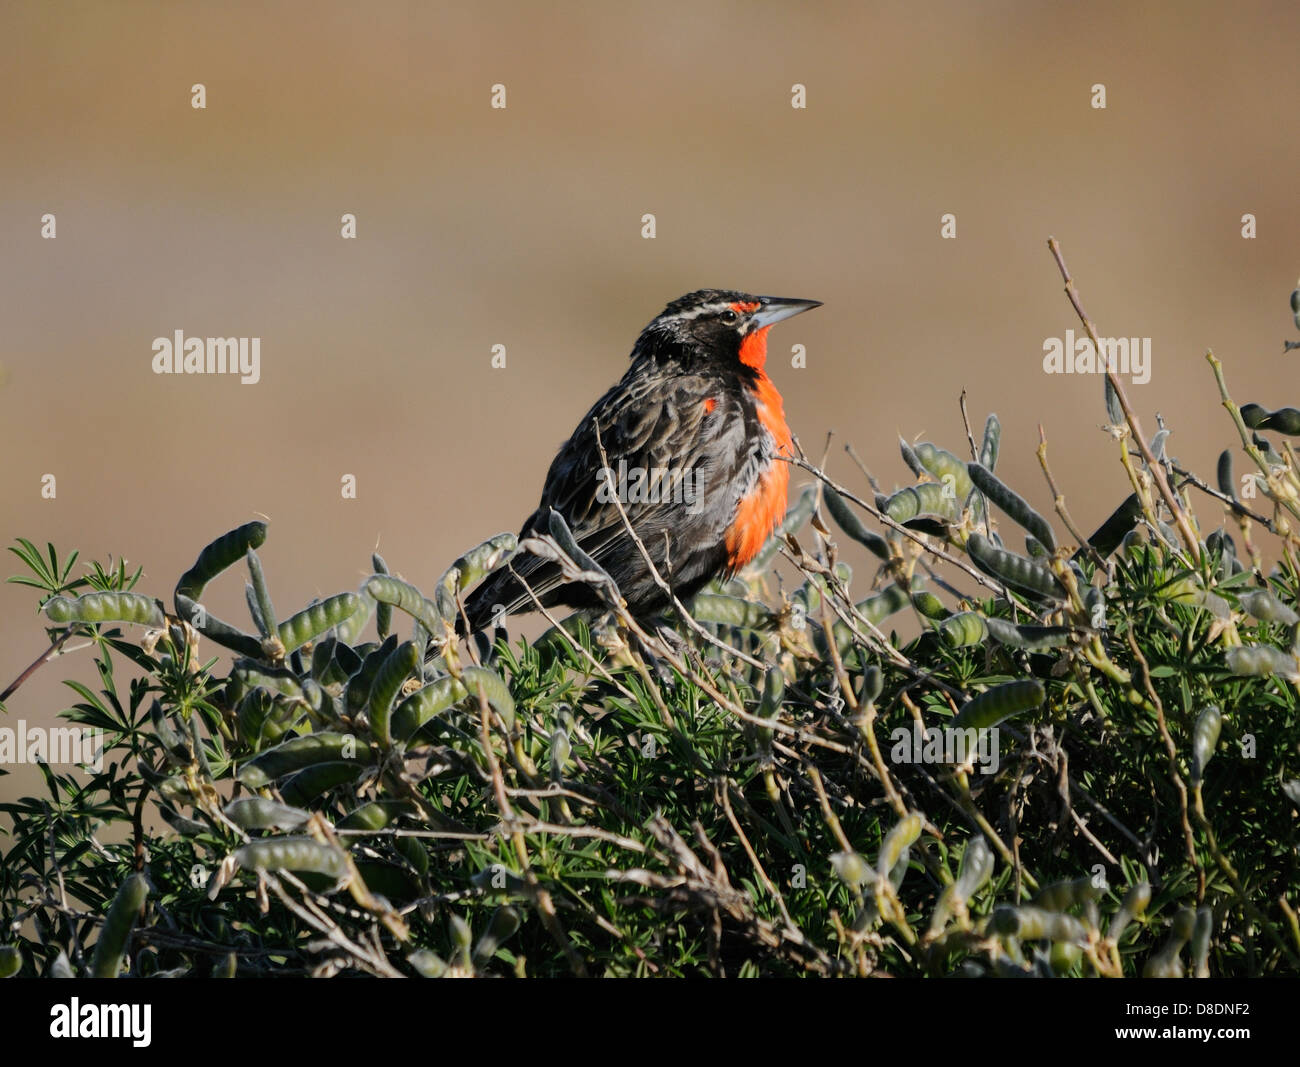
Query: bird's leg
670, 636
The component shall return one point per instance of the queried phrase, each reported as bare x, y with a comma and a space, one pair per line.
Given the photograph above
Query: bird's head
717, 325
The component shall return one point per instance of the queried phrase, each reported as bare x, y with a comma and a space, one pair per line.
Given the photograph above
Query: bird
695, 448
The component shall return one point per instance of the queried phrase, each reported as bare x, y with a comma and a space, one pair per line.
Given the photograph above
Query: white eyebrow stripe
705, 309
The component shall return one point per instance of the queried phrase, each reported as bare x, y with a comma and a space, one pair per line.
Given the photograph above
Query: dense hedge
771, 791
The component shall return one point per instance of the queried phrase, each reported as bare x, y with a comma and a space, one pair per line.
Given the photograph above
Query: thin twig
1156, 468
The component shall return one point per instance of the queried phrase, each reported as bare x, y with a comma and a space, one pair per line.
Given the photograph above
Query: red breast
758, 513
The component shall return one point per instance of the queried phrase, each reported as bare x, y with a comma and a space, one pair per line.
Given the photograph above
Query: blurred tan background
522, 227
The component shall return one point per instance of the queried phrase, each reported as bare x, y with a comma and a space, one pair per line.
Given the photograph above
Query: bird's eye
729, 317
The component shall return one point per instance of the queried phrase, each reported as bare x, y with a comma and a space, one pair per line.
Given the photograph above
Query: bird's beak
776, 308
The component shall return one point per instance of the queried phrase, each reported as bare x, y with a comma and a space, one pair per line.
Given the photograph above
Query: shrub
1082, 761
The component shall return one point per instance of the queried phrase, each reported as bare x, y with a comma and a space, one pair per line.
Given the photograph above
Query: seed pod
11, 960
1035, 547
1004, 922
300, 752
1260, 661
1205, 738
929, 605
1270, 457
214, 629
1221, 544
350, 629
1064, 956
1111, 532
559, 530
373, 815
1067, 894
248, 674
769, 706
470, 568
809, 595
260, 606
944, 908
293, 854
1094, 602
357, 694
1015, 506
396, 669
313, 621
1012, 569
255, 611
947, 469
494, 689
885, 603
873, 682
265, 717
1133, 906
461, 939
927, 501
999, 703
322, 655
222, 553
912, 460
1201, 942
732, 611
226, 966
976, 868
383, 612
989, 446
1034, 637
501, 927
1158, 445
1114, 409
1295, 306
1264, 606
338, 664
1167, 533
262, 813
106, 607
1031, 923
1283, 420
173, 742
413, 851
118, 924
875, 609
427, 963
1165, 962
900, 838
196, 745
561, 748
1227, 484
476, 564
425, 703
963, 629
403, 595
850, 868
853, 526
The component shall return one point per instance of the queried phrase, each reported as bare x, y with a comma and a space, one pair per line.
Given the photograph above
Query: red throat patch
753, 349
759, 513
